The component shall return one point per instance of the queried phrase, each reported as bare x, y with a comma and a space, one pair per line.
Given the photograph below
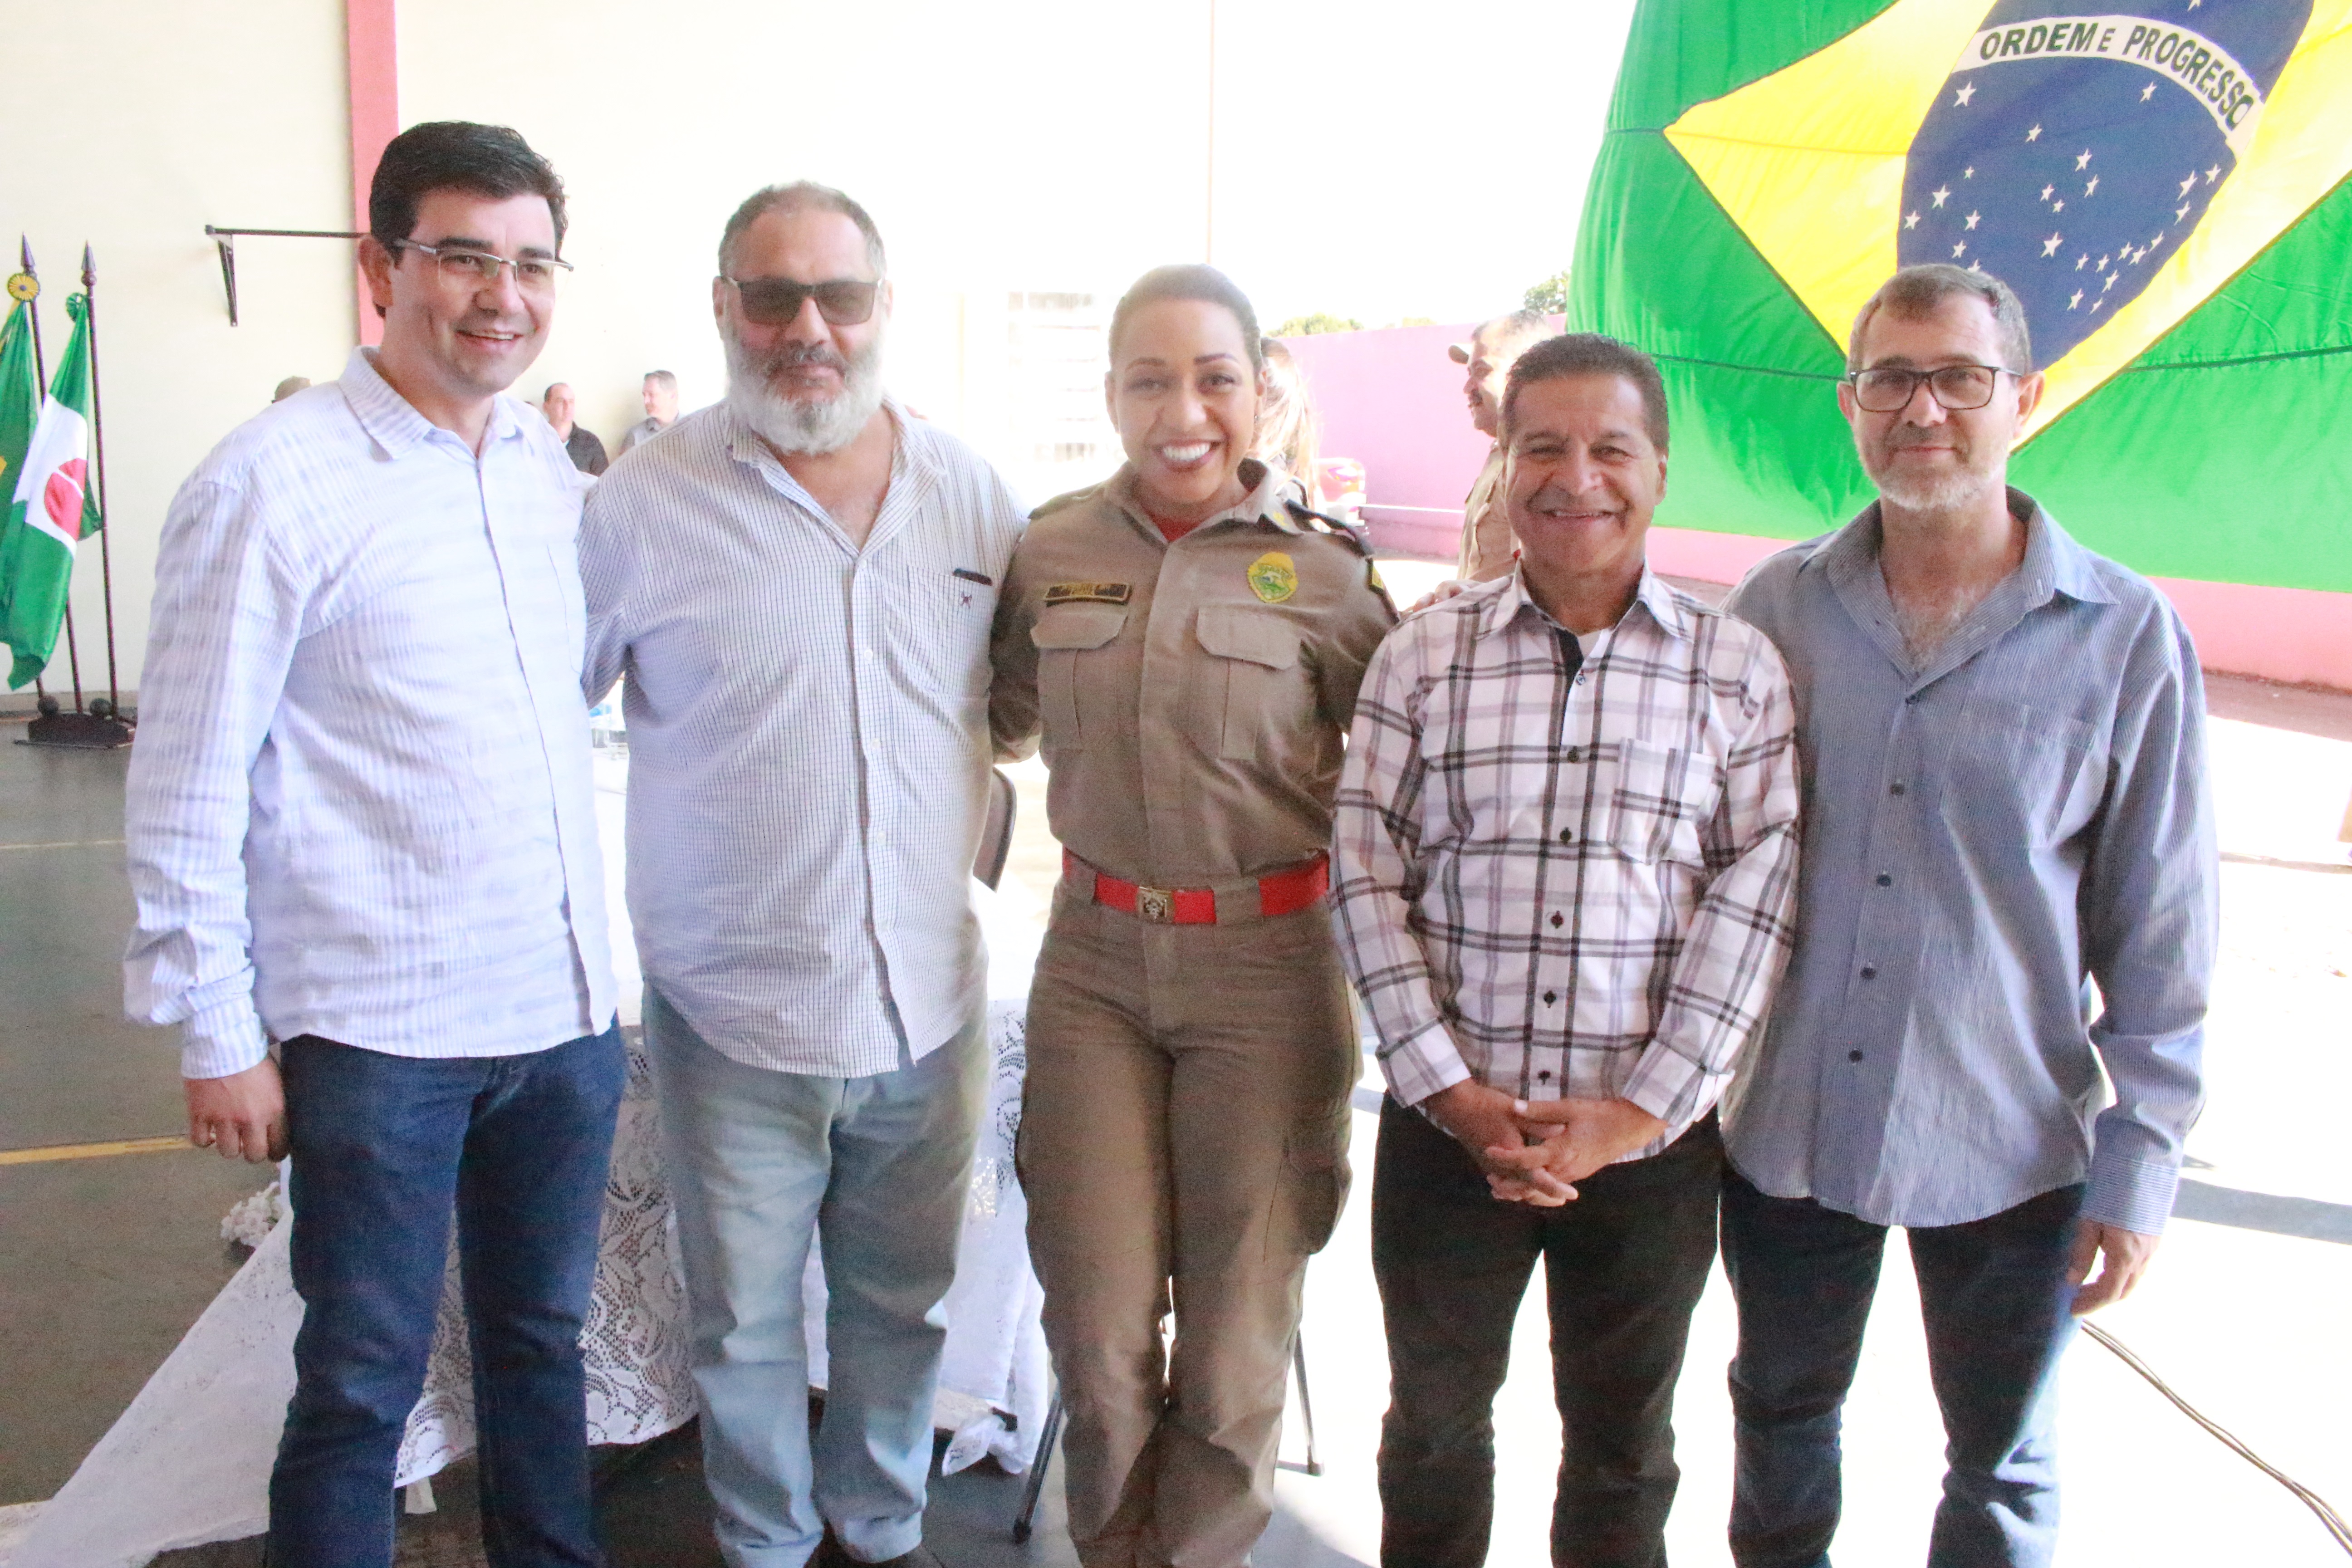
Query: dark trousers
385, 1149
1624, 1265
1995, 1296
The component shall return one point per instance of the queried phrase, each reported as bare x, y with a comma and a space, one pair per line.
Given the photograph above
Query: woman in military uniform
1184, 642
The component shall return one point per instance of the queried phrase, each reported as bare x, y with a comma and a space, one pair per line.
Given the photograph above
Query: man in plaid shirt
1566, 861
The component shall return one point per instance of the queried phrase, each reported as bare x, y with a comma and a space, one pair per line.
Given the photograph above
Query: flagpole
41, 374
98, 453
40, 382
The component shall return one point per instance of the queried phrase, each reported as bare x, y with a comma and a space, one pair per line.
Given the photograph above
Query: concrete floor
104, 1262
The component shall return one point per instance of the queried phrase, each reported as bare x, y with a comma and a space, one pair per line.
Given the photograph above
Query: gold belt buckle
1158, 904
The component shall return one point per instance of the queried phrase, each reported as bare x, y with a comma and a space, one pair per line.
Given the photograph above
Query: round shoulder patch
1274, 576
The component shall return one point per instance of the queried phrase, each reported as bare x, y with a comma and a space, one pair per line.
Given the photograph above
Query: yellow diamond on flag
1815, 163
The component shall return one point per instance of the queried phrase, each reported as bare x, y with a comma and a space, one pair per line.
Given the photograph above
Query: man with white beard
797, 585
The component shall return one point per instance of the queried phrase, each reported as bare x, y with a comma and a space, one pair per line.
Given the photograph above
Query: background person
1289, 434
797, 585
580, 443
1184, 642
2004, 752
1487, 546
362, 822
660, 394
1567, 855
289, 387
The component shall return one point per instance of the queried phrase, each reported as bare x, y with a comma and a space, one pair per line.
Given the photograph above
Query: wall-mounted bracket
225, 238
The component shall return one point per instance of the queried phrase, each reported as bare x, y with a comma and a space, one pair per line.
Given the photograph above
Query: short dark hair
456, 155
1189, 281
1589, 354
795, 197
1915, 292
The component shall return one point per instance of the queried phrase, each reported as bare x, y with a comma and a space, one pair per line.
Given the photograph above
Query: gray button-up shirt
1984, 836
808, 736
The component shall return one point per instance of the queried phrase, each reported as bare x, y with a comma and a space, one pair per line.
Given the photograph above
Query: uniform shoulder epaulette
1307, 518
1067, 498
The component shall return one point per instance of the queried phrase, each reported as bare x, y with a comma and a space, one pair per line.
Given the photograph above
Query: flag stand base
78, 731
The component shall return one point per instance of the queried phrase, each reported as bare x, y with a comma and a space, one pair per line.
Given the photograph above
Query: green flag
53, 509
20, 405
2168, 194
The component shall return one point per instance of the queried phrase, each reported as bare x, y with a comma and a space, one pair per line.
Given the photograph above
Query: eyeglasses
774, 301
480, 269
1956, 386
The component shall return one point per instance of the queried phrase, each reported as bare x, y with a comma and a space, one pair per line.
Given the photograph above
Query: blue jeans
385, 1149
760, 1162
1995, 1296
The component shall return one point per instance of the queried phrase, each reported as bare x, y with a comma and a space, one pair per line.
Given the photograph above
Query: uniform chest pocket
1256, 650
1657, 797
1063, 635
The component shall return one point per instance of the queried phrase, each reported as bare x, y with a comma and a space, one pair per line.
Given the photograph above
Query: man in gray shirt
2003, 755
798, 584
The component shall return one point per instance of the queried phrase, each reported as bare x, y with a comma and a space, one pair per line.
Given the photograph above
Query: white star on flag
2081, 259
2046, 190
2034, 134
2049, 246
2092, 188
2213, 173
2084, 161
2076, 300
2187, 182
1972, 219
1959, 250
2180, 213
1940, 194
2147, 93
1961, 97
1910, 220
2056, 207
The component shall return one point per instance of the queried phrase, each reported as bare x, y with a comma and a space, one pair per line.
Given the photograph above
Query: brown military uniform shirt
1191, 699
1487, 545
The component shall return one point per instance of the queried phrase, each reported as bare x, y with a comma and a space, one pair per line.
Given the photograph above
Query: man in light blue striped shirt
2002, 738
362, 827
798, 584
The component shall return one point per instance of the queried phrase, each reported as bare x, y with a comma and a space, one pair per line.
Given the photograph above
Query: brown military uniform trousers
1184, 1129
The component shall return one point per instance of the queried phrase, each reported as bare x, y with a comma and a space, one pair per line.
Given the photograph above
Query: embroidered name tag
1089, 593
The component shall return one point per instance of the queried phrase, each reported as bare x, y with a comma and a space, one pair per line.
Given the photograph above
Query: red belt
1285, 891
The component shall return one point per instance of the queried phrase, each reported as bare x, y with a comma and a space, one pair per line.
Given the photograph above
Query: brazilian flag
2165, 188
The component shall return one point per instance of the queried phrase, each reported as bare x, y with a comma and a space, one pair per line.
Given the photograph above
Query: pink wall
1393, 401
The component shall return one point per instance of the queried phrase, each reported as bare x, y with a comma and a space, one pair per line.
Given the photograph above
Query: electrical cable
2333, 1522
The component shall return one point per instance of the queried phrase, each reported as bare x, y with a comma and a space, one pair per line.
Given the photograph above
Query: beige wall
131, 125
1048, 145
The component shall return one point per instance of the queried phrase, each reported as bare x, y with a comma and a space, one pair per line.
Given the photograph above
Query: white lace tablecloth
189, 1461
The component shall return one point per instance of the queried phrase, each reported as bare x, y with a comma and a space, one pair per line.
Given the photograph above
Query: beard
1965, 482
804, 425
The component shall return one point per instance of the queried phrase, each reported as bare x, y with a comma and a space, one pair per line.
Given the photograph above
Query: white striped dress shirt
1569, 884
808, 738
360, 804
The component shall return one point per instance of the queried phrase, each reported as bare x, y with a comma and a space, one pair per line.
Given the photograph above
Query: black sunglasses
774, 301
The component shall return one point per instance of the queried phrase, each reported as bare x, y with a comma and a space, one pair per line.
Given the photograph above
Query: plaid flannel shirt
1568, 883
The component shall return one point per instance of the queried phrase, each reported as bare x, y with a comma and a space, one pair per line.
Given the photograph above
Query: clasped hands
1535, 1151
